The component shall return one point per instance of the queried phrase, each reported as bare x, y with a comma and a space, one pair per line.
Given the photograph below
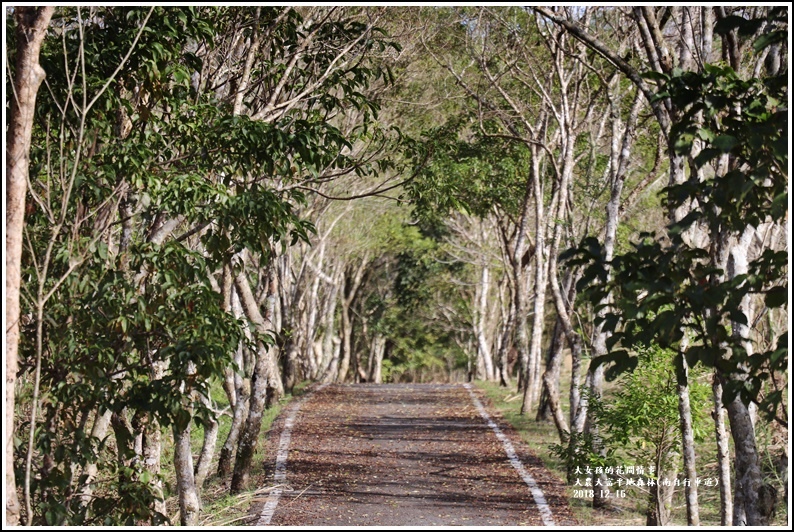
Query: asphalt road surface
404, 455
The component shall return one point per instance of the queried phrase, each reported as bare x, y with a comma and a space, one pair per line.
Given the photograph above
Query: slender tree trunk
484, 357
152, 453
551, 381
347, 341
311, 323
554, 351
265, 382
189, 504
505, 345
576, 382
652, 515
376, 358
349, 291
241, 391
330, 360
239, 415
31, 28
658, 513
747, 467
594, 430
98, 432
250, 433
527, 351
687, 442
207, 447
723, 455
751, 496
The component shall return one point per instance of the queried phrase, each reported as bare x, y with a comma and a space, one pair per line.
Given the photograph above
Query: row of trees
253, 197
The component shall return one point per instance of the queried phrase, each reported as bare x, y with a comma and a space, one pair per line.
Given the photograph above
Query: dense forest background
209, 206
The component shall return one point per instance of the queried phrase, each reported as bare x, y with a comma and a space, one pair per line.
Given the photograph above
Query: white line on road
281, 461
537, 493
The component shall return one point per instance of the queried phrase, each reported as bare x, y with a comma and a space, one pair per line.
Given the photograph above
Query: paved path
410, 455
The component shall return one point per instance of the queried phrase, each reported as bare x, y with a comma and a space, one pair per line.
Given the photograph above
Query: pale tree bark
151, 453
747, 466
687, 442
331, 340
377, 349
207, 447
31, 28
526, 352
189, 503
551, 377
266, 385
239, 414
242, 392
98, 431
311, 367
293, 315
484, 357
348, 294
723, 454
230, 377
753, 501
568, 126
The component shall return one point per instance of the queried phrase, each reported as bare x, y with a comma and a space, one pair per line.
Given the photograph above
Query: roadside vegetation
585, 208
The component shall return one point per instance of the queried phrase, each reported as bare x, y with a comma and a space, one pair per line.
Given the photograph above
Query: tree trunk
652, 514
376, 358
250, 434
751, 497
98, 432
313, 364
330, 355
576, 381
152, 453
594, 430
265, 382
555, 350
189, 504
658, 512
241, 390
207, 448
31, 28
747, 471
151, 450
505, 345
526, 351
551, 382
239, 415
687, 442
347, 341
723, 455
484, 358
348, 294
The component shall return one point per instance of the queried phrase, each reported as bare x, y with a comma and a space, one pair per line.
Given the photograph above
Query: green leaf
683, 143
725, 142
655, 76
779, 206
769, 39
776, 297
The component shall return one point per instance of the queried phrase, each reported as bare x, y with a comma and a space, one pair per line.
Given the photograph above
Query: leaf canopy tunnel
208, 207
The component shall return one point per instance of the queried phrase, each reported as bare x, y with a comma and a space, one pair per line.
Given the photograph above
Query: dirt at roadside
404, 455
